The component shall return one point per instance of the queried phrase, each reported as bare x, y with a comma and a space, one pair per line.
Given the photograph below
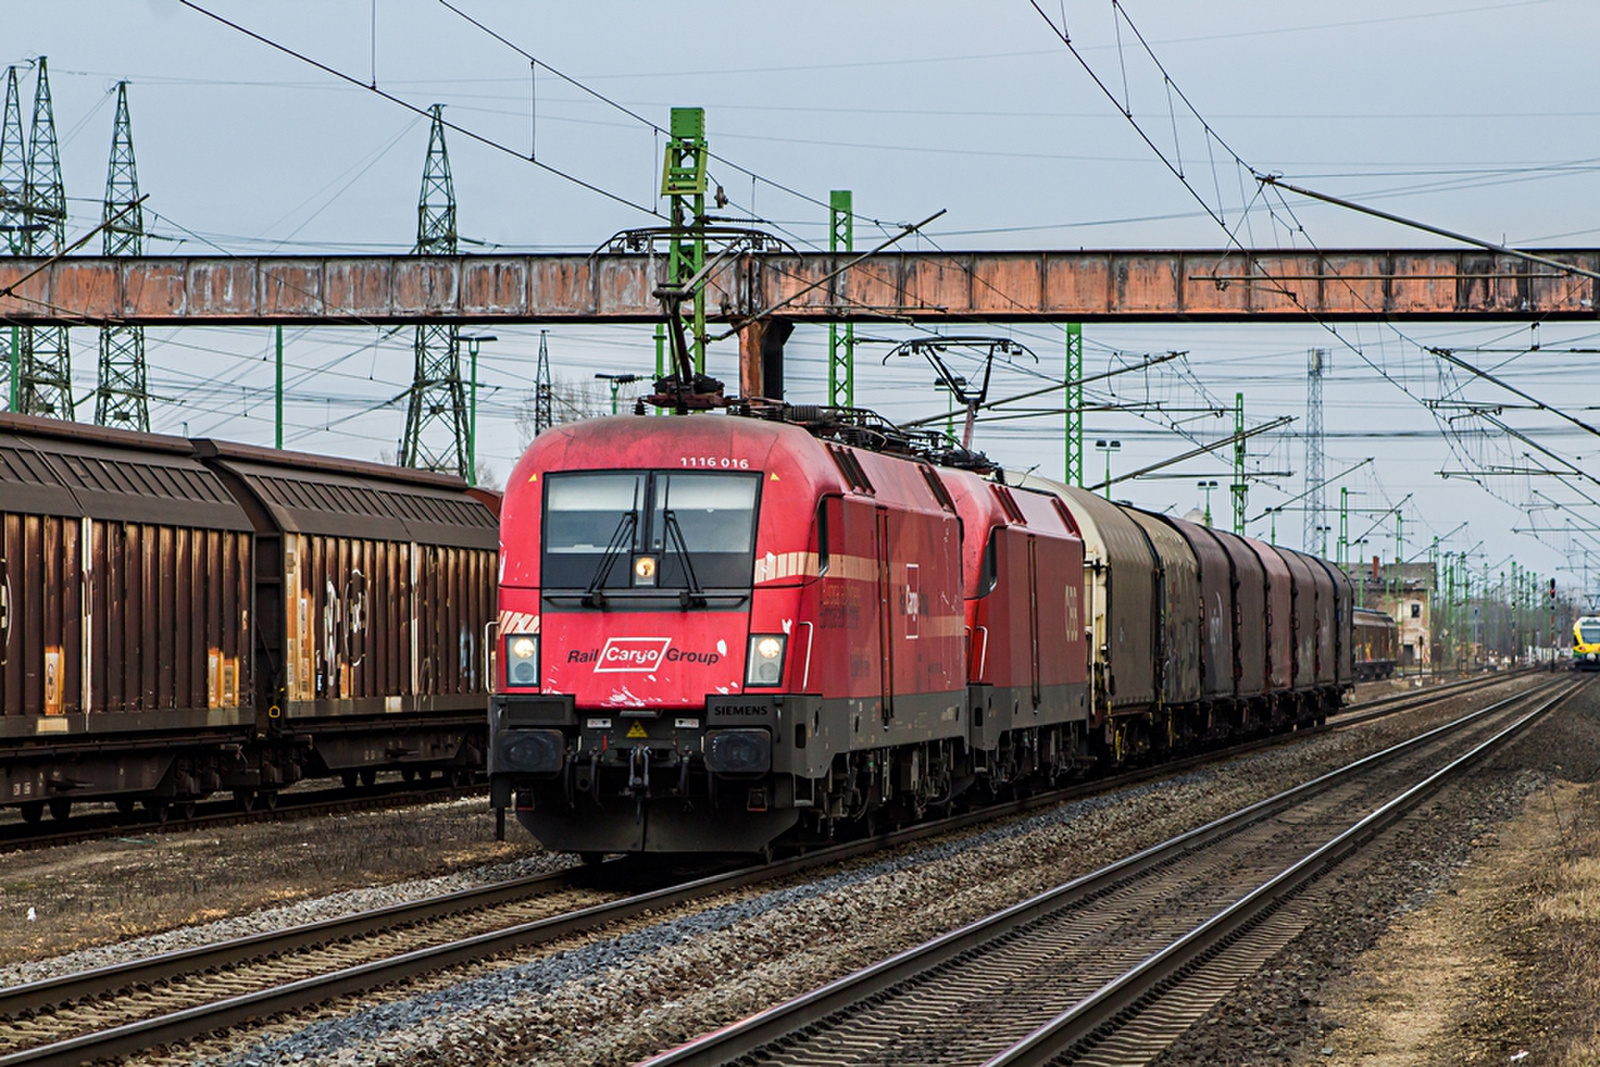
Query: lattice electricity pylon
1312, 534
544, 415
13, 196
436, 417
841, 336
13, 169
122, 399
46, 366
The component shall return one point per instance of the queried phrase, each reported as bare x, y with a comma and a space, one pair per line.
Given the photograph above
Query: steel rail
1372, 709
1133, 991
82, 985
772, 1025
131, 1037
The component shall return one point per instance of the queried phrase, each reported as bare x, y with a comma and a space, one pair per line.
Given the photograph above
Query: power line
481, 138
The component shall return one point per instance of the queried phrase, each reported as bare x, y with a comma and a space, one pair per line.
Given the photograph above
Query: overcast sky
1480, 117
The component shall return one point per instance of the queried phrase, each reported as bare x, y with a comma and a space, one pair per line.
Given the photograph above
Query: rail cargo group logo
624, 654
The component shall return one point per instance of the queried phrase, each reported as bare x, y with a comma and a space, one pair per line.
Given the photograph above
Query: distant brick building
1406, 594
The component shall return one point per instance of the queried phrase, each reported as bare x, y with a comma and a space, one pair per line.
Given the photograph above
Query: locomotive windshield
641, 531
1589, 631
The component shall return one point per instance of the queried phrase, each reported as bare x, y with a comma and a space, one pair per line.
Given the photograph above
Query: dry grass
1569, 914
1507, 962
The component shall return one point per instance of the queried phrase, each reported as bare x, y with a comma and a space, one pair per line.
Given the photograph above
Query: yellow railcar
1586, 643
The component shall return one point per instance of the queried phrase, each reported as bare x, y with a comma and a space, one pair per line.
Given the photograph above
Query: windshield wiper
594, 596
693, 596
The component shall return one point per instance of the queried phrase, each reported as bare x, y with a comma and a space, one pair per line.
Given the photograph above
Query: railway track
123, 1008
1113, 966
97, 825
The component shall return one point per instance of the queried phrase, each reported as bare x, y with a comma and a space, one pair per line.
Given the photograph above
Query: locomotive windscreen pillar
761, 358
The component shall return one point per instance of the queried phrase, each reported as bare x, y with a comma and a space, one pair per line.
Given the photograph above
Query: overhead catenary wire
1240, 233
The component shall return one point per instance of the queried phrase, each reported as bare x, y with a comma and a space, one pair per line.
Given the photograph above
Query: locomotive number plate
725, 463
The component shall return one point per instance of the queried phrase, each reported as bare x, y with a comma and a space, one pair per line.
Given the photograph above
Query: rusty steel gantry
949, 287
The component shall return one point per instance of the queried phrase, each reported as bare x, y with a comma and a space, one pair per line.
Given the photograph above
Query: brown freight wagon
179, 618
124, 639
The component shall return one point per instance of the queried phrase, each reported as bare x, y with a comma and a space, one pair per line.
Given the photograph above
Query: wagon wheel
186, 810
245, 799
125, 805
269, 799
369, 776
60, 808
33, 812
158, 810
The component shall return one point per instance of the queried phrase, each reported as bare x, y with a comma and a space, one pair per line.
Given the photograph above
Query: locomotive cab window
642, 531
989, 565
584, 513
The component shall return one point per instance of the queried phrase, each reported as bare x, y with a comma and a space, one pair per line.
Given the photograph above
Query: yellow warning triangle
637, 729
774, 476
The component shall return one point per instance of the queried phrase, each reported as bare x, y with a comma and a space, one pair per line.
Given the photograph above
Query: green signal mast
122, 399
841, 336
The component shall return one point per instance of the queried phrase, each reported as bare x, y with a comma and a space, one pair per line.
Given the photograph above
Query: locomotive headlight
764, 665
644, 570
522, 659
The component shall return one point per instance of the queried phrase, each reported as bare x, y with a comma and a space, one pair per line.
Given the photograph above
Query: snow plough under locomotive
722, 631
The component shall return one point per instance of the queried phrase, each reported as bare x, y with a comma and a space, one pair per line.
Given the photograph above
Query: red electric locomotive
718, 631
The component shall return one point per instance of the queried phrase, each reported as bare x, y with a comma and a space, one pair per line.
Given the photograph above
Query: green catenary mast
841, 336
122, 399
683, 183
1074, 404
1238, 488
436, 418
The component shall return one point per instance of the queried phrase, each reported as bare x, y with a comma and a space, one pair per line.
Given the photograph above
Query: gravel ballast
650, 984
241, 880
